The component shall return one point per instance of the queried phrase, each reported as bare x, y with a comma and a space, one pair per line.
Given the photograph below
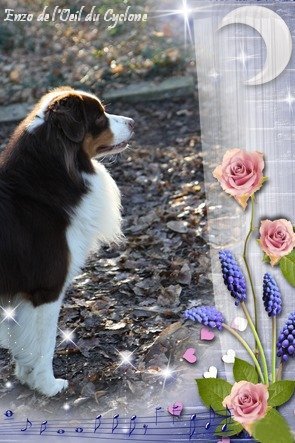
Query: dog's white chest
97, 219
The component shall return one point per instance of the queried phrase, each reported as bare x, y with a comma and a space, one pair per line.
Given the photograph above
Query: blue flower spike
272, 297
233, 276
206, 315
286, 340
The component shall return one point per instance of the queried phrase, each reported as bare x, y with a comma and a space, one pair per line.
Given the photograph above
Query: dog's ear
67, 114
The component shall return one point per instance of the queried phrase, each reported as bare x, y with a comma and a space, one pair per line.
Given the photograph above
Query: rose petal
242, 200
247, 401
277, 238
240, 174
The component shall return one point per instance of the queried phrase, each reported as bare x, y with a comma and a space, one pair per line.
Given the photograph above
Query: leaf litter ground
131, 297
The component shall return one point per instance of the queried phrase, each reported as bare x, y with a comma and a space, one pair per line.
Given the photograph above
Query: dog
57, 204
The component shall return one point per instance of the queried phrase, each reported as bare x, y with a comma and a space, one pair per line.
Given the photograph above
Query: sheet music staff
199, 426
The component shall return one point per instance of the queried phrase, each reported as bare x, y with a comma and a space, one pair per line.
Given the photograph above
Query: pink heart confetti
190, 355
206, 334
176, 408
224, 440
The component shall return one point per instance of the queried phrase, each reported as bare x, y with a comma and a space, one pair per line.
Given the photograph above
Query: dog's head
79, 118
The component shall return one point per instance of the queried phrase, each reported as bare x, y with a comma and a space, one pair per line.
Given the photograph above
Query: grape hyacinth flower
209, 316
206, 315
271, 296
286, 340
233, 276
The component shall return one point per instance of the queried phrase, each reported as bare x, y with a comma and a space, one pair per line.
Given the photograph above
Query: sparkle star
290, 100
126, 358
68, 336
242, 57
9, 314
168, 373
66, 406
185, 12
214, 74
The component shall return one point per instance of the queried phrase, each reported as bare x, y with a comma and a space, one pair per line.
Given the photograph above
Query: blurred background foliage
35, 56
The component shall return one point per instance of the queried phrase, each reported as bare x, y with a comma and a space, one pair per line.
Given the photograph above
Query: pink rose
277, 238
247, 402
240, 174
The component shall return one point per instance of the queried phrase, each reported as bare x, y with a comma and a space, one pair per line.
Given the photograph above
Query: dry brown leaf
178, 226
185, 275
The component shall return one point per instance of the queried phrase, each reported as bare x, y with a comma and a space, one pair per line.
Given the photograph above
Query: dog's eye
100, 119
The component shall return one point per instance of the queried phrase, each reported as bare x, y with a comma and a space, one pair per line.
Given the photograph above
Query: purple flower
286, 340
233, 276
271, 296
206, 315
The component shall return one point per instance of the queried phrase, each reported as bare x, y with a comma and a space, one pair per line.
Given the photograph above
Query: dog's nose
131, 123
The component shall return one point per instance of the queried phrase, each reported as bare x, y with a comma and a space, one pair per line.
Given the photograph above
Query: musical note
28, 422
115, 422
79, 430
228, 415
96, 426
158, 408
192, 426
132, 424
211, 417
145, 427
8, 413
43, 427
175, 411
61, 431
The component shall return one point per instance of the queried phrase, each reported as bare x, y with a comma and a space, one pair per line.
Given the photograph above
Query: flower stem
274, 350
248, 349
258, 342
251, 229
280, 371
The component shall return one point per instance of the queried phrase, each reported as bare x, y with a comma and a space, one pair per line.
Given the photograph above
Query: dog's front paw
45, 382
54, 387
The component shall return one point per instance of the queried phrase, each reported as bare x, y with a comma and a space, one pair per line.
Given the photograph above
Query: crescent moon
276, 36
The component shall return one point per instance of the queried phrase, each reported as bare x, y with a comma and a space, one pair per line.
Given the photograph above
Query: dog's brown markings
92, 144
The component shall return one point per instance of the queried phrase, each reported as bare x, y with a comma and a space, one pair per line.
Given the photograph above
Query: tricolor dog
57, 203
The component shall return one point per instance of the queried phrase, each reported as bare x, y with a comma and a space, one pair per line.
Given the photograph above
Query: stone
14, 113
170, 88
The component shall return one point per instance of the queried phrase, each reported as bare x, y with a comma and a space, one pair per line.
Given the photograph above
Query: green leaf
244, 371
213, 391
266, 258
280, 392
287, 265
233, 428
272, 428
